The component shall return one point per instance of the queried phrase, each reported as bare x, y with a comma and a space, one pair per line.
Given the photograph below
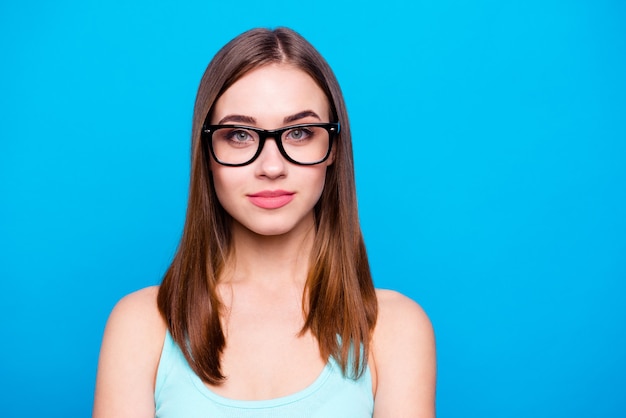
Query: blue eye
236, 137
240, 136
298, 134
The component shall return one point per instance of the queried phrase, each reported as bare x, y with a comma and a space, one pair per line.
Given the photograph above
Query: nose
271, 163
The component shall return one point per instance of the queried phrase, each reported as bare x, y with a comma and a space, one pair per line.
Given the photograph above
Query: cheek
317, 182
225, 185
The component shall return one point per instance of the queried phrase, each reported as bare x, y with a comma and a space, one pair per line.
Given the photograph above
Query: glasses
304, 144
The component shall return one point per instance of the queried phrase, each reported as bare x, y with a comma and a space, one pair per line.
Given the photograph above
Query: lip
271, 199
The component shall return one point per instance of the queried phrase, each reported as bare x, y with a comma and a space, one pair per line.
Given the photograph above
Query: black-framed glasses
237, 145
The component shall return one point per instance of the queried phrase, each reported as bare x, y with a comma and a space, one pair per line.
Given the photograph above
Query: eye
298, 134
235, 137
240, 135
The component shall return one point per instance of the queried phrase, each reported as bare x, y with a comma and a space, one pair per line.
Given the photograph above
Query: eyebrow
302, 115
252, 121
237, 118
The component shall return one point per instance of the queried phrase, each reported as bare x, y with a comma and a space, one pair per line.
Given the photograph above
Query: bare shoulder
135, 321
139, 306
129, 356
403, 351
136, 318
399, 312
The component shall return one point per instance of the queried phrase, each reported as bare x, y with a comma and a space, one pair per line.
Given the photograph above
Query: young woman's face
271, 196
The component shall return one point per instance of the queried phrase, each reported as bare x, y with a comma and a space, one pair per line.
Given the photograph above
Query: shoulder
402, 326
136, 316
129, 357
399, 312
403, 351
136, 321
140, 305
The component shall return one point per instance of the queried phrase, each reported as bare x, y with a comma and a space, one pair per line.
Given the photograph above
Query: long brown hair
339, 302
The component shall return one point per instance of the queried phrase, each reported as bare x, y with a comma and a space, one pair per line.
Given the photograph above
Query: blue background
490, 145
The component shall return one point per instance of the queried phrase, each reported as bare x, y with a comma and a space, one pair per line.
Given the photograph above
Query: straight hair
339, 300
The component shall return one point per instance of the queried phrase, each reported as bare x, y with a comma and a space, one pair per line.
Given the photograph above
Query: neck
273, 261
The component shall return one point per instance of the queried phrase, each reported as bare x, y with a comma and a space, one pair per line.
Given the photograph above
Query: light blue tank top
180, 393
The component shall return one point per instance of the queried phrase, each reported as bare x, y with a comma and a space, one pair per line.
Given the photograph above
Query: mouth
271, 199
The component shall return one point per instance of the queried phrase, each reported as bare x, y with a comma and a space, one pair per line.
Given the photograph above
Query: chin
271, 231
277, 225
275, 230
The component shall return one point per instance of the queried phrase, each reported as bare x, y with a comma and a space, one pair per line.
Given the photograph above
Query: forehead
270, 93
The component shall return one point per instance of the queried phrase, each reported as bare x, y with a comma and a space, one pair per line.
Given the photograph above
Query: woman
268, 308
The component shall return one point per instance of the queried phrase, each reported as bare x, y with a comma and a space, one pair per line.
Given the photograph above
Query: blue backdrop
490, 144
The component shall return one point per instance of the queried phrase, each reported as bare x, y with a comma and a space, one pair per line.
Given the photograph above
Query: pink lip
271, 199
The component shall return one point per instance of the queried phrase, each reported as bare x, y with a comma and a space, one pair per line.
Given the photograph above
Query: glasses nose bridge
276, 135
